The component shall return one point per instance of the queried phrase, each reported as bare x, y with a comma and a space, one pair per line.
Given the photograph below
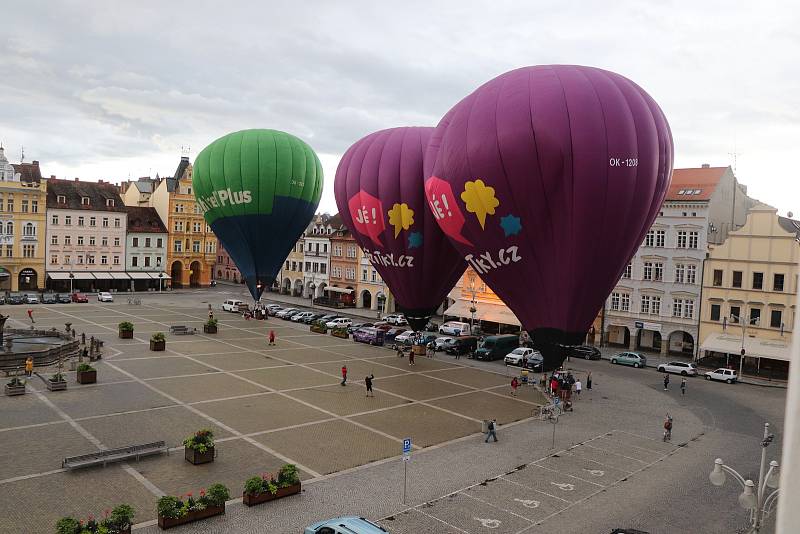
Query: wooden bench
182, 330
114, 455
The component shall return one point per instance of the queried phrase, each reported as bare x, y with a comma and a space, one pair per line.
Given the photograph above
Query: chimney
705, 166
77, 179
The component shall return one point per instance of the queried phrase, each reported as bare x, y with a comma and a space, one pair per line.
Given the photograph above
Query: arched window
29, 229
10, 228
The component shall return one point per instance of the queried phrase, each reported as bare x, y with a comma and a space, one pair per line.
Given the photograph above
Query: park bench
114, 455
182, 330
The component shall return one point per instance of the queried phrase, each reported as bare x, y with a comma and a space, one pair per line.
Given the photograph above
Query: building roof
145, 220
693, 185
172, 183
74, 191
29, 172
790, 225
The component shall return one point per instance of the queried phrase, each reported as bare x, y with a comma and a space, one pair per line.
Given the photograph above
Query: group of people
561, 384
367, 381
683, 383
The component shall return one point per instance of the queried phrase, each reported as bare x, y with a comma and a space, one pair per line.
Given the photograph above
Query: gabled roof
697, 184
73, 192
790, 225
29, 172
144, 219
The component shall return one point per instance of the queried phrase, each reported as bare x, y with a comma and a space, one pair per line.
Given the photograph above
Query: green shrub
287, 476
125, 326
68, 525
121, 517
58, 377
16, 381
217, 494
158, 336
201, 441
253, 486
212, 322
82, 368
169, 506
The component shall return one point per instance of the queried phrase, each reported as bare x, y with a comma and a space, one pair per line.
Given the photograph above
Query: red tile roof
145, 220
692, 185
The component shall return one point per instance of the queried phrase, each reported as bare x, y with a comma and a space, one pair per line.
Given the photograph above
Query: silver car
679, 368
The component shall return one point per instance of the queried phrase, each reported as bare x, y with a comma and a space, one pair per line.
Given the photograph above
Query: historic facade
750, 295
490, 313
372, 291
192, 246
86, 228
291, 274
23, 196
344, 266
316, 254
225, 268
145, 249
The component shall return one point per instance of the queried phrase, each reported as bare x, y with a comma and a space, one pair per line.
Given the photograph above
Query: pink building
225, 269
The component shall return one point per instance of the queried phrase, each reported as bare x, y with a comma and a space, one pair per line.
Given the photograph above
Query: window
9, 251
91, 241
116, 222
104, 241
67, 220
337, 250
717, 278
54, 220
146, 261
80, 259
677, 307
178, 208
34, 206
90, 259
195, 246
688, 311
775, 318
10, 203
660, 236
287, 263
626, 274
135, 241
116, 241
105, 222
110, 202
178, 246
61, 199
135, 261
693, 239
84, 201
648, 270
614, 301
196, 227
755, 315
159, 242
737, 279
624, 303
691, 274
92, 221
351, 253
9, 228
66, 259
54, 259
323, 268
67, 240
54, 240
24, 206
736, 312
80, 240
374, 275
650, 238
28, 251
179, 226
80, 221
308, 266
777, 282
758, 280
645, 304
29, 229
316, 248
658, 271
158, 261
715, 312
680, 273
103, 260
656, 305
147, 242
682, 239
116, 260
364, 274
324, 247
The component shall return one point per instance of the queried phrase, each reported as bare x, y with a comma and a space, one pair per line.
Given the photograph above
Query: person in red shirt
554, 386
344, 375
30, 316
271, 337
514, 386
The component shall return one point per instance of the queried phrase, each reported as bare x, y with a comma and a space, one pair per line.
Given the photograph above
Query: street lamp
312, 286
753, 498
472, 309
744, 324
160, 276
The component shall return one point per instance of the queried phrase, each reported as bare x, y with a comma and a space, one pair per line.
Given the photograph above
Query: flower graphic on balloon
401, 217
480, 200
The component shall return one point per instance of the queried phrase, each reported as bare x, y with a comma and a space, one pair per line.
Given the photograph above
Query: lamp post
753, 498
472, 309
312, 286
744, 324
160, 284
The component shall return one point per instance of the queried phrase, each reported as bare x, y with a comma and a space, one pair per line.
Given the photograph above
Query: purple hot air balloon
380, 192
546, 179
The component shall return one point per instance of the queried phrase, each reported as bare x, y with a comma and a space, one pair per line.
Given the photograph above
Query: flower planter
60, 385
168, 522
197, 458
158, 346
319, 329
87, 377
126, 334
209, 329
344, 334
252, 500
15, 390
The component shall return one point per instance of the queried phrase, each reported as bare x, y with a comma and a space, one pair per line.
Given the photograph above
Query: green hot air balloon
258, 190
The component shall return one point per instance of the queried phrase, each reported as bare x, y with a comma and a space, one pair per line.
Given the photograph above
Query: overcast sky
108, 90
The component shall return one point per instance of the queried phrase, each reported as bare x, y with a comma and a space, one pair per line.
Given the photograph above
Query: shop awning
119, 275
484, 311
754, 347
58, 276
338, 289
76, 275
164, 276
103, 275
139, 275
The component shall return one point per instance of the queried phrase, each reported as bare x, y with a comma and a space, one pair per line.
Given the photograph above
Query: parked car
14, 298
2, 299
727, 375
286, 313
49, 298
327, 318
516, 356
64, 298
630, 358
345, 525
313, 317
104, 296
455, 328
30, 298
79, 297
424, 338
383, 325
681, 368
355, 326
431, 327
535, 362
370, 335
496, 347
273, 306
393, 333
339, 322
302, 316
587, 352
443, 342
231, 305
404, 338
397, 319
462, 345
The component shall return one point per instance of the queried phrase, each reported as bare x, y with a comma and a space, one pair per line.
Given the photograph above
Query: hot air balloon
258, 190
380, 192
546, 179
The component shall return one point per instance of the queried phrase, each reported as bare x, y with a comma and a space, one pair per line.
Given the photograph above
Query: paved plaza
267, 405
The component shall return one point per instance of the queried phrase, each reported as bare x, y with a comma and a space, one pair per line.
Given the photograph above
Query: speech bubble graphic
445, 208
367, 214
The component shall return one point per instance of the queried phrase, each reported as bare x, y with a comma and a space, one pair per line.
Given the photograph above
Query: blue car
345, 525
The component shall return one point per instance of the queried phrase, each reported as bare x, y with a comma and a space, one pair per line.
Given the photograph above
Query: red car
79, 297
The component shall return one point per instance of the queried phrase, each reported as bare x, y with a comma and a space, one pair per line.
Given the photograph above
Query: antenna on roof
734, 154
22, 155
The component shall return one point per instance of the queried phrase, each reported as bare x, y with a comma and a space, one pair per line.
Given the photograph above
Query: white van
341, 322
231, 305
455, 328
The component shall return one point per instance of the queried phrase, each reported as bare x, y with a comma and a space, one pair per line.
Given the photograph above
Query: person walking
589, 380
411, 358
666, 381
578, 387
668, 428
344, 375
272, 337
30, 315
683, 386
554, 386
514, 386
492, 431
29, 366
368, 382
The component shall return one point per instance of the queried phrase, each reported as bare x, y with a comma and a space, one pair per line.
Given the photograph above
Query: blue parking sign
406, 445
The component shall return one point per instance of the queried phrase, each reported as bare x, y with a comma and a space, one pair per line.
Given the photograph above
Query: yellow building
192, 246
750, 294
23, 198
491, 314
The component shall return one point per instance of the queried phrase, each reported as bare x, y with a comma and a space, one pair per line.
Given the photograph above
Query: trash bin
485, 426
524, 376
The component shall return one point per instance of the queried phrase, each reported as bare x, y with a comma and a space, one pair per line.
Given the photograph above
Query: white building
146, 248
655, 305
317, 254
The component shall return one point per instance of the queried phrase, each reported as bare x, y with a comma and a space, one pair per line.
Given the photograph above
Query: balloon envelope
380, 193
258, 190
546, 179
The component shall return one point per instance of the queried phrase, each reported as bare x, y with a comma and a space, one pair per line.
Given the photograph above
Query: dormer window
84, 201
61, 199
110, 202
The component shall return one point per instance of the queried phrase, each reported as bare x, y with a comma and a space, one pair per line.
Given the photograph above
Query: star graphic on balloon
511, 224
414, 240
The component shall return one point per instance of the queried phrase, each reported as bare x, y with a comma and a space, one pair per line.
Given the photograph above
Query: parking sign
406, 445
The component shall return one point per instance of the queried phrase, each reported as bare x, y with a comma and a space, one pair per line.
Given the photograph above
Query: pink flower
189, 494
202, 492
